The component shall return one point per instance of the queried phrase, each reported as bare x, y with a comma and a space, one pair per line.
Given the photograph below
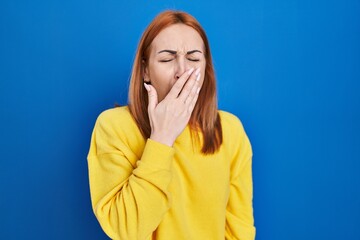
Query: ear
145, 73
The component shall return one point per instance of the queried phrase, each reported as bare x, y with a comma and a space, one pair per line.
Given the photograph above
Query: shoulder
118, 119
114, 115
230, 122
234, 135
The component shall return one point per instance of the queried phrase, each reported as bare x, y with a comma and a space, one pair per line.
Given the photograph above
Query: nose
181, 66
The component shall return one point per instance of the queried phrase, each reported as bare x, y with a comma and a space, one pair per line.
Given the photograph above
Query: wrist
162, 139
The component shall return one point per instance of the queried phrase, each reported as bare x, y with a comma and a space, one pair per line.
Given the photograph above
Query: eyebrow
174, 52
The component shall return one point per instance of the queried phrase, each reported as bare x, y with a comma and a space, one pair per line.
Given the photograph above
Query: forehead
178, 37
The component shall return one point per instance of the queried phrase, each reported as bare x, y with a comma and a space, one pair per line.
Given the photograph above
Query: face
174, 50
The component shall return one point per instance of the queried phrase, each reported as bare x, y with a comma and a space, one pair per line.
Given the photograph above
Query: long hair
205, 117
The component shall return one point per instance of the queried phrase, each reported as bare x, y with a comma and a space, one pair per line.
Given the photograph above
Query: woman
170, 165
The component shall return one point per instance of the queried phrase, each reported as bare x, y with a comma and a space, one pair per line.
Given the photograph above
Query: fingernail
198, 90
147, 87
190, 70
197, 71
198, 77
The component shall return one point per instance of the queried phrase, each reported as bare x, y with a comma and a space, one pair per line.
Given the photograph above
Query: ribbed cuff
157, 154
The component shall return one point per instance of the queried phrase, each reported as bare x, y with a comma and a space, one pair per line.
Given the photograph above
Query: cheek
203, 66
162, 75
202, 80
162, 79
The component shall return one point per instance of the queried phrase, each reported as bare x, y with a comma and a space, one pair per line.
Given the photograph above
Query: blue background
289, 69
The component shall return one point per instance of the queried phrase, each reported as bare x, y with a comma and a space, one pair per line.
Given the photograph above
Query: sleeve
239, 211
128, 201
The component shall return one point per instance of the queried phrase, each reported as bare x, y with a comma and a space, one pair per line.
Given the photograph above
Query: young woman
170, 165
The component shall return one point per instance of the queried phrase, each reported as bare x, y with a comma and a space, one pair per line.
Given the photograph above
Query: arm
239, 211
128, 201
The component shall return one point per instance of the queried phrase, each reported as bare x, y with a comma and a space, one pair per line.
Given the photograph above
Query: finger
191, 83
192, 104
194, 92
187, 95
152, 96
179, 84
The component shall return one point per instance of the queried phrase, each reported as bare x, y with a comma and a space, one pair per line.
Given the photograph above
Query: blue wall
289, 69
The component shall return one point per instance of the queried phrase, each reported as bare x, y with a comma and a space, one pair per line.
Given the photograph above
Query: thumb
152, 94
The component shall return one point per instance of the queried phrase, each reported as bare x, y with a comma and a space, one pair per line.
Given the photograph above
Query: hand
169, 117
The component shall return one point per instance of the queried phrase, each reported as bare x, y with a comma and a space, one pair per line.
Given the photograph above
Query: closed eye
165, 60
193, 60
169, 60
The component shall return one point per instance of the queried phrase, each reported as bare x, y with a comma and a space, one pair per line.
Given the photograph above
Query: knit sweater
142, 189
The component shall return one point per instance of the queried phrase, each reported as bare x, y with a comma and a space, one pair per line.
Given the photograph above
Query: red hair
205, 117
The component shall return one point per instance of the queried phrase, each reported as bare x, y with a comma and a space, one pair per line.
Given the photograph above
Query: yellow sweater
142, 189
